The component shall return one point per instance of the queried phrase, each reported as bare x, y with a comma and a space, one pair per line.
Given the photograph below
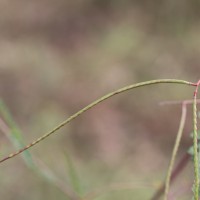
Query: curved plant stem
195, 145
175, 149
175, 81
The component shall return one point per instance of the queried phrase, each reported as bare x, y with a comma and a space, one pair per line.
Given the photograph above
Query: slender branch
92, 105
175, 149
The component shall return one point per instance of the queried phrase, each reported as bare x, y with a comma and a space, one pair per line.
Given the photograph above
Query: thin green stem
175, 149
195, 145
92, 105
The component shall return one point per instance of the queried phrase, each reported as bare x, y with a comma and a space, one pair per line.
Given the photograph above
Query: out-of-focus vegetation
57, 56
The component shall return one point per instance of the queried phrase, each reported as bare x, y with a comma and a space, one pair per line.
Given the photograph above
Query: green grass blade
15, 135
73, 175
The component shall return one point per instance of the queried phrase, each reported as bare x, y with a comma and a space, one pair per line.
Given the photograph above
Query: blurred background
57, 56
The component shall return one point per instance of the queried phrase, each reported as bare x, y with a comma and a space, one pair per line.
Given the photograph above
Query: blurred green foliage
57, 56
